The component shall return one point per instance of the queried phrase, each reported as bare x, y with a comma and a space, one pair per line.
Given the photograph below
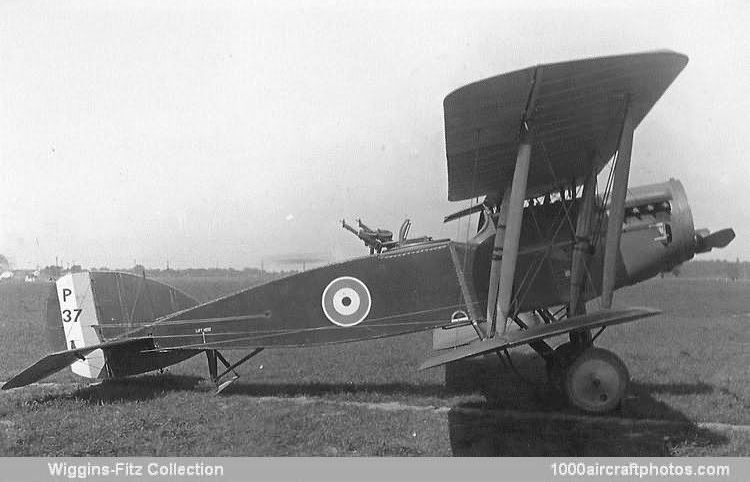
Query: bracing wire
474, 173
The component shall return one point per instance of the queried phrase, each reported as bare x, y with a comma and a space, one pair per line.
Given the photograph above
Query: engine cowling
658, 232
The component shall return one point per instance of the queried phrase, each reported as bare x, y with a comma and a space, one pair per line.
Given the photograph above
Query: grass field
689, 368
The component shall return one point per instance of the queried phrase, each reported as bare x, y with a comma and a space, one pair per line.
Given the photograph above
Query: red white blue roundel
346, 301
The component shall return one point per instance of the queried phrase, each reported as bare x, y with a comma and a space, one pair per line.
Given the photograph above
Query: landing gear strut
213, 356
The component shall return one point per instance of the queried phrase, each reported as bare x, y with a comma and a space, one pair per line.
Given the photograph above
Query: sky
229, 133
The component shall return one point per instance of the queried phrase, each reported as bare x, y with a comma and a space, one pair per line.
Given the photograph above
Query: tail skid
213, 356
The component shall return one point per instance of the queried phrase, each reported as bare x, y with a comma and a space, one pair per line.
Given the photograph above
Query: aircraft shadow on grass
500, 427
155, 386
508, 423
126, 389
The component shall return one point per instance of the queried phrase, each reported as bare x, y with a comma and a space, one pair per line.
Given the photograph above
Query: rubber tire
583, 395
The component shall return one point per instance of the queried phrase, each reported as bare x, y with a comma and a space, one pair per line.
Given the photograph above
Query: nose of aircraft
658, 233
681, 224
687, 241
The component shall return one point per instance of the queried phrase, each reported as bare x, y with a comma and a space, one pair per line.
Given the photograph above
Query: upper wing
574, 111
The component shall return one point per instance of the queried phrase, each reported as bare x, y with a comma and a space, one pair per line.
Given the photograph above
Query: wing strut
497, 255
512, 232
583, 244
617, 208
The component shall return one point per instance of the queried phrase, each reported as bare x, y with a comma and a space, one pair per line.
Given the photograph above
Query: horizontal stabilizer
55, 362
523, 337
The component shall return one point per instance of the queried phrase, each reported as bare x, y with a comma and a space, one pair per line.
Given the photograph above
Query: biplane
527, 149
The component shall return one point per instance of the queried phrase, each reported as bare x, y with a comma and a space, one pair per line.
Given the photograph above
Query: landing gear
216, 378
593, 380
557, 364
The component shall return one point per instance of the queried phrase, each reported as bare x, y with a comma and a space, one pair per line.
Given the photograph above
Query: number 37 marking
67, 315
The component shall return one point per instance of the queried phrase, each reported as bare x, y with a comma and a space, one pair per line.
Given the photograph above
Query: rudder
80, 322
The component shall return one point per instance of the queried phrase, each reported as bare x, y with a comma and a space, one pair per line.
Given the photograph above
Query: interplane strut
497, 259
617, 208
581, 250
513, 232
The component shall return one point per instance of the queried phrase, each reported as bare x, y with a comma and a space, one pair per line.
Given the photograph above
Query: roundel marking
346, 301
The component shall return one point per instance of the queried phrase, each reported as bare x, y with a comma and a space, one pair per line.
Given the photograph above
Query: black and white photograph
374, 229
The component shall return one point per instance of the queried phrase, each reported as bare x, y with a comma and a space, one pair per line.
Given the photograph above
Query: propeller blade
719, 239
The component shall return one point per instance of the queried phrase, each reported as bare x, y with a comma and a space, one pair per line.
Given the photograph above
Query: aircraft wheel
595, 381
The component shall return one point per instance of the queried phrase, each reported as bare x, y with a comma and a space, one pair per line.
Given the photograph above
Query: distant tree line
733, 270
4, 263
55, 272
197, 272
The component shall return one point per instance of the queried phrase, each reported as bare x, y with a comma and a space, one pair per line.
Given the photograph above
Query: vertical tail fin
80, 322
102, 306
